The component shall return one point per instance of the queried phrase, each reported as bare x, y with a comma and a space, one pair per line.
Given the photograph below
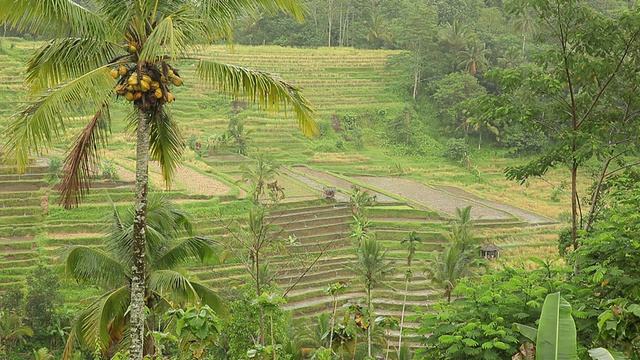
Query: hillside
414, 193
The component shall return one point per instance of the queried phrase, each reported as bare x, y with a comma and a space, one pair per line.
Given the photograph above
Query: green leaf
166, 143
448, 339
266, 89
634, 309
604, 354
556, 338
41, 122
53, 17
528, 331
470, 342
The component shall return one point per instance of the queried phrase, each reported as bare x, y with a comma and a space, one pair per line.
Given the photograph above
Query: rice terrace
423, 219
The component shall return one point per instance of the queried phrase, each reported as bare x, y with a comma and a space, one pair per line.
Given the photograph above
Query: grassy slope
341, 82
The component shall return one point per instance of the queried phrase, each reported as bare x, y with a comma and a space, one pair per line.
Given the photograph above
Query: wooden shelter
490, 251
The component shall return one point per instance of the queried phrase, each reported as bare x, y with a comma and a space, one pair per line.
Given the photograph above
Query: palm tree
480, 124
377, 36
447, 267
372, 266
525, 24
258, 174
126, 48
412, 245
11, 330
455, 35
474, 57
461, 234
104, 322
42, 354
459, 257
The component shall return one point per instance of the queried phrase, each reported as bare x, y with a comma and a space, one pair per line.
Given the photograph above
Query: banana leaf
556, 338
604, 354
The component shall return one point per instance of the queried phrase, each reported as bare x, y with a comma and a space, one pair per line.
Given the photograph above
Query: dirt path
341, 183
522, 214
432, 198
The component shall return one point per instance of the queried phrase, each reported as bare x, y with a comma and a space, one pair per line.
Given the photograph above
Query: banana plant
556, 338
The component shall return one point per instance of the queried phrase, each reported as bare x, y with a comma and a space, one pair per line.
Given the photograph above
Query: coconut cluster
147, 85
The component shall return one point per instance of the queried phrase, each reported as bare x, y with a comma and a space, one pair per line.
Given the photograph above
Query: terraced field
339, 82
35, 230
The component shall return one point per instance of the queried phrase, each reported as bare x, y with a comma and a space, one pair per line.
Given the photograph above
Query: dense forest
549, 88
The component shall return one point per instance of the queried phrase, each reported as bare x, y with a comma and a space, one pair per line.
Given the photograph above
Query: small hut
490, 251
329, 193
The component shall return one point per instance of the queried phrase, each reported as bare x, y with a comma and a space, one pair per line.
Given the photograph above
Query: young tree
127, 48
11, 331
451, 93
253, 244
334, 290
416, 32
372, 267
411, 242
103, 323
584, 93
459, 257
258, 174
42, 298
268, 304
474, 57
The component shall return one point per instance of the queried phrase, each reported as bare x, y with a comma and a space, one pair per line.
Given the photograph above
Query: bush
55, 165
520, 141
109, 170
43, 296
325, 127
456, 149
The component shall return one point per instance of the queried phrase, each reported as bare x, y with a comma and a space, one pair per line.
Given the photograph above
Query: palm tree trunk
369, 327
355, 346
333, 320
574, 200
259, 292
404, 305
273, 339
138, 285
387, 334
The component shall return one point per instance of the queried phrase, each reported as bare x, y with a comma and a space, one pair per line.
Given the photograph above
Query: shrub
456, 149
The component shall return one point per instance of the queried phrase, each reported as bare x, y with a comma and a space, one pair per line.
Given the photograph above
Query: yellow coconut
176, 81
133, 79
159, 93
114, 73
144, 86
128, 96
120, 89
122, 70
154, 85
146, 78
170, 97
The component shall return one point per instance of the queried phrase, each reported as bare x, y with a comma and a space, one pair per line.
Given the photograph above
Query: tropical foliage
105, 49
103, 323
